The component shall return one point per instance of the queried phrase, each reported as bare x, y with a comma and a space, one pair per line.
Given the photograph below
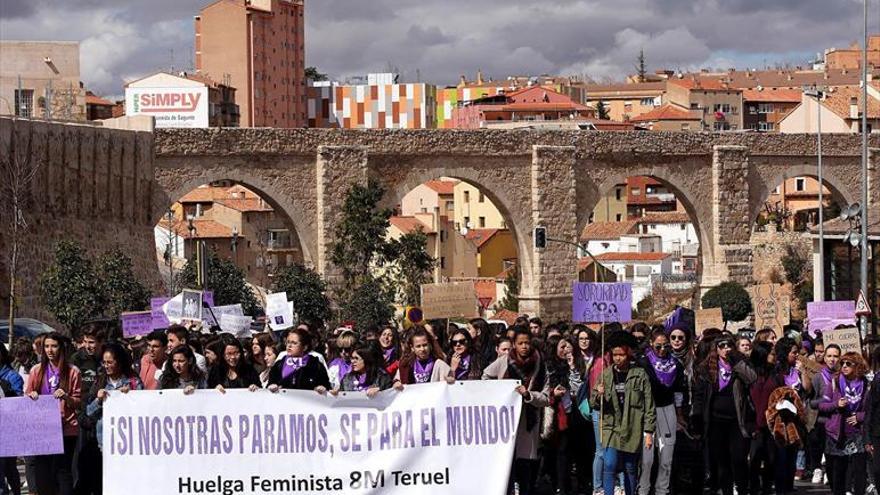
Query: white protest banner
449, 300
240, 326
849, 339
279, 312
431, 439
218, 312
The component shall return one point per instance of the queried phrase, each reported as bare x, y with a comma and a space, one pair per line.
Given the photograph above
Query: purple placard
30, 427
594, 302
827, 315
136, 323
158, 316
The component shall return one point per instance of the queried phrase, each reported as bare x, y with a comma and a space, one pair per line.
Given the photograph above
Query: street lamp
819, 93
864, 209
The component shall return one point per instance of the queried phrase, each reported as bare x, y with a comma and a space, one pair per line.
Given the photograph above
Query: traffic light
540, 237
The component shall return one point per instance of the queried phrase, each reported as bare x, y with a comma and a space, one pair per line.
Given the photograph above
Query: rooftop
838, 228
702, 84
650, 257
244, 205
838, 101
600, 231
666, 112
442, 186
480, 236
665, 217
407, 224
773, 95
205, 228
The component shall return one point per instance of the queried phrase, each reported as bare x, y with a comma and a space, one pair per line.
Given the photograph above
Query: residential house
638, 269
670, 117
604, 237
528, 104
591, 271
764, 108
841, 112
674, 228
646, 194
473, 210
496, 250
41, 79
456, 256
797, 200
850, 58
624, 102
175, 241
98, 108
434, 195
718, 103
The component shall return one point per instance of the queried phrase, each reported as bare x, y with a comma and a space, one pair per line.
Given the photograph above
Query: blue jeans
598, 456
614, 458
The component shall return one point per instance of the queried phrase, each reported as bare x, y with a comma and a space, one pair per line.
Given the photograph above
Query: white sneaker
817, 476
618, 490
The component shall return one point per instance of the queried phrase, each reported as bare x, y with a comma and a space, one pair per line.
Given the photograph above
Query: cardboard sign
772, 307
240, 326
708, 318
449, 300
849, 339
136, 323
30, 427
279, 312
826, 315
594, 302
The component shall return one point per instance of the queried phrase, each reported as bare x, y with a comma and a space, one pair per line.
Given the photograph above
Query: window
695, 106
24, 102
450, 205
467, 196
442, 236
467, 222
721, 126
443, 262
618, 217
800, 184
618, 192
753, 109
765, 108
683, 226
647, 102
481, 198
482, 221
685, 127
766, 126
635, 191
775, 190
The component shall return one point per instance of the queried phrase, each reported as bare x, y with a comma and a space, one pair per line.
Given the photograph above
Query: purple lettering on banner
159, 318
136, 323
594, 302
828, 315
30, 427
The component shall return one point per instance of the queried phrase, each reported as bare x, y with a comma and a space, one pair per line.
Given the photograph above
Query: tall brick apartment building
257, 46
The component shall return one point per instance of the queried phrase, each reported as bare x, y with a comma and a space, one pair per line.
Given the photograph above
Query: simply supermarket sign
171, 107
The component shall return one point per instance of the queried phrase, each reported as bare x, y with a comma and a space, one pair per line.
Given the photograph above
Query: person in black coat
298, 370
231, 369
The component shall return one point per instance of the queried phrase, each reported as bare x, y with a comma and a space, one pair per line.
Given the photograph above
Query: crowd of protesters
617, 409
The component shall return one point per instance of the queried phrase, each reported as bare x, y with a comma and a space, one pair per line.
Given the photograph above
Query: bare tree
18, 168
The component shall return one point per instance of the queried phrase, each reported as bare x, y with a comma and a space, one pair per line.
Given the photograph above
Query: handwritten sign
849, 339
594, 302
30, 427
279, 312
449, 300
826, 315
708, 318
218, 312
772, 306
240, 326
136, 323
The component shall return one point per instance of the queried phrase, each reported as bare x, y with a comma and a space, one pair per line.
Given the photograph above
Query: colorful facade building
380, 105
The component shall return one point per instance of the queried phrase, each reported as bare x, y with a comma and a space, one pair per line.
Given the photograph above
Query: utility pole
864, 245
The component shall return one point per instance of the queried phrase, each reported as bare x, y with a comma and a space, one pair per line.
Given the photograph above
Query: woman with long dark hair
846, 403
790, 371
181, 371
762, 451
565, 375
464, 362
231, 369
259, 343
722, 406
55, 376
423, 362
367, 372
483, 340
298, 369
389, 344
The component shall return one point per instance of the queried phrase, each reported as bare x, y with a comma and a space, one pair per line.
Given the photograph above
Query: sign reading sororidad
449, 300
432, 438
594, 302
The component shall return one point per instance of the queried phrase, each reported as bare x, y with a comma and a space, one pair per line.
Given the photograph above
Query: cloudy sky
441, 39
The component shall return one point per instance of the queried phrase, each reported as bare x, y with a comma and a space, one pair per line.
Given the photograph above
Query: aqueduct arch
546, 178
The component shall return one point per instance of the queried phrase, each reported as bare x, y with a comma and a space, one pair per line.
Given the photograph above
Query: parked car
24, 327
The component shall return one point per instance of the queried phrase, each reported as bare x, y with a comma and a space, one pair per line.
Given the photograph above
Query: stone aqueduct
106, 187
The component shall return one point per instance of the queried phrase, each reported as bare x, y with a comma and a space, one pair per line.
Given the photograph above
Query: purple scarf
389, 355
360, 384
852, 391
422, 373
725, 373
792, 378
343, 367
664, 368
464, 365
292, 365
51, 380
827, 377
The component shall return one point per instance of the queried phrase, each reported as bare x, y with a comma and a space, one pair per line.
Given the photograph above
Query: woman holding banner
465, 363
524, 363
298, 369
182, 371
846, 402
367, 373
55, 376
423, 362
232, 370
341, 365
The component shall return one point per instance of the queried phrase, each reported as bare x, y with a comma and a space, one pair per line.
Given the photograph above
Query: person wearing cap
623, 394
720, 407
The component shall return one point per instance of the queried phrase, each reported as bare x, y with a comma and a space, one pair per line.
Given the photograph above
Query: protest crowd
610, 409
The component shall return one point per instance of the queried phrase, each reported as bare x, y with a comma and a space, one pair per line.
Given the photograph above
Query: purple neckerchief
51, 380
343, 367
827, 377
852, 391
388, 354
588, 359
292, 365
725, 373
422, 372
464, 365
664, 368
792, 378
360, 383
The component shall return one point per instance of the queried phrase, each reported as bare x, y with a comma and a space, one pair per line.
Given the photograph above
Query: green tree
313, 74
118, 285
368, 304
307, 290
412, 266
226, 280
69, 287
511, 298
602, 111
732, 298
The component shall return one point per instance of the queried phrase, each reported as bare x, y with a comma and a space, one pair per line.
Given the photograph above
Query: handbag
583, 401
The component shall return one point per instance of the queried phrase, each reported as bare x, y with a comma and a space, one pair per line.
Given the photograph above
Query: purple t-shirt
51, 380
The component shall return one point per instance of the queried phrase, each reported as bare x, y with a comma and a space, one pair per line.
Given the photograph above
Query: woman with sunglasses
464, 363
367, 373
341, 365
721, 407
666, 375
423, 362
845, 429
389, 343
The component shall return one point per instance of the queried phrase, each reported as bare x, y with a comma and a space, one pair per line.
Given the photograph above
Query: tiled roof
653, 87
442, 186
203, 194
666, 112
205, 228
409, 224
665, 217
836, 226
540, 106
480, 236
771, 79
97, 100
244, 205
598, 231
838, 101
702, 84
773, 95
632, 256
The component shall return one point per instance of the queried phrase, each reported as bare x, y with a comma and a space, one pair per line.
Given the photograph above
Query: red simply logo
169, 102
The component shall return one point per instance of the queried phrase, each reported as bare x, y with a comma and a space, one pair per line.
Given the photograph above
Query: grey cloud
427, 36
10, 9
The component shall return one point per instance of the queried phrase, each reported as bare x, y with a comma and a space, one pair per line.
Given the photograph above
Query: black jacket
309, 377
246, 378
705, 389
382, 381
872, 415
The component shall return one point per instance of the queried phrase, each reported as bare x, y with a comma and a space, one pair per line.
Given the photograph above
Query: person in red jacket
389, 342
55, 378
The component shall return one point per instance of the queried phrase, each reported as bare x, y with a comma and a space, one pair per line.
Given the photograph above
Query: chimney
479, 77
462, 81
853, 107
